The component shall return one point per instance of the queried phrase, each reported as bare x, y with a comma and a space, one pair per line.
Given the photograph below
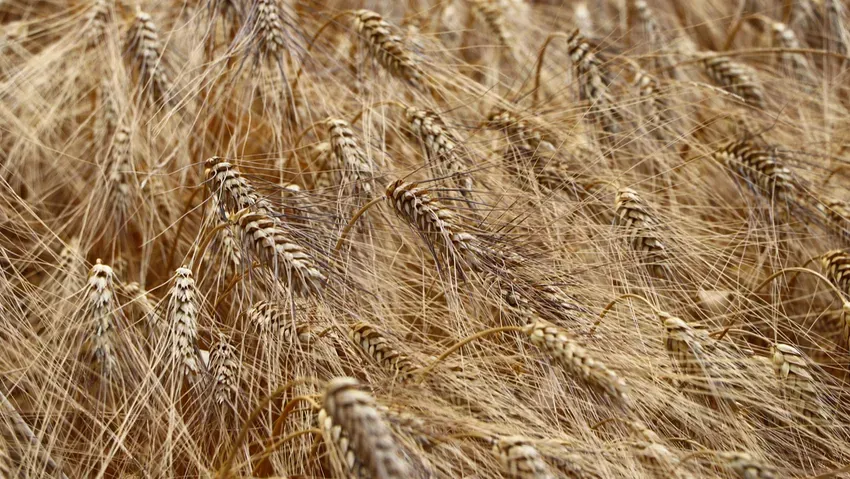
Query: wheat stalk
520, 459
224, 366
370, 438
797, 381
379, 348
272, 246
271, 321
576, 360
356, 167
736, 78
634, 214
441, 148
386, 47
100, 309
183, 319
143, 43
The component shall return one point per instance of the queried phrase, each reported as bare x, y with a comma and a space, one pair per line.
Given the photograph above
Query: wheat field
424, 239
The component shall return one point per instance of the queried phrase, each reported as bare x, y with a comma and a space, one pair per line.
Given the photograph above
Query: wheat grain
797, 381
387, 47
441, 148
520, 459
577, 361
99, 296
271, 245
735, 78
183, 319
271, 321
634, 214
370, 438
356, 167
147, 54
336, 440
224, 365
381, 350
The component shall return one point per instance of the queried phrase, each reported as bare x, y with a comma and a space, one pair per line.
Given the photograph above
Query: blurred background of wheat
424, 238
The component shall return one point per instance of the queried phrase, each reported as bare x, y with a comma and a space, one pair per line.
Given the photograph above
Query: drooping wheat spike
802, 12
837, 31
593, 81
653, 102
576, 360
338, 442
271, 245
98, 16
408, 423
121, 171
760, 169
224, 365
493, 15
747, 467
379, 348
183, 318
370, 438
147, 55
736, 78
441, 148
386, 47
272, 322
520, 459
357, 169
795, 63
836, 214
635, 215
231, 189
652, 448
797, 382
268, 27
438, 224
574, 466
106, 120
100, 309
837, 266
520, 133
689, 351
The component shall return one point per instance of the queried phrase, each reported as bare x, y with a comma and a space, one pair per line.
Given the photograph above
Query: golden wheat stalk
520, 459
101, 311
183, 318
370, 438
387, 47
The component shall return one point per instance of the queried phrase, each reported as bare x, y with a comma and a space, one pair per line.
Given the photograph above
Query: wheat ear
494, 17
642, 227
593, 81
271, 322
183, 318
735, 78
269, 27
761, 169
231, 189
379, 348
520, 459
356, 167
121, 171
797, 381
340, 445
441, 148
145, 46
386, 47
747, 467
101, 311
355, 412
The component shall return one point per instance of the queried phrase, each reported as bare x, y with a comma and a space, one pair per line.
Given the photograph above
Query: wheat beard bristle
370, 438
100, 298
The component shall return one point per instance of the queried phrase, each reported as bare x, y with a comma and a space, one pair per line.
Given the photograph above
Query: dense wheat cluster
425, 239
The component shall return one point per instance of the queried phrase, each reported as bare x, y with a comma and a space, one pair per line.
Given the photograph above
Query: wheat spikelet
271, 245
99, 295
491, 12
144, 46
647, 87
576, 360
381, 350
520, 459
441, 148
269, 320
415, 205
797, 381
268, 27
689, 350
183, 318
785, 37
837, 266
634, 214
735, 78
357, 169
370, 438
97, 18
338, 442
231, 189
121, 171
746, 467
408, 423
387, 47
593, 81
836, 213
761, 169
224, 365
520, 134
